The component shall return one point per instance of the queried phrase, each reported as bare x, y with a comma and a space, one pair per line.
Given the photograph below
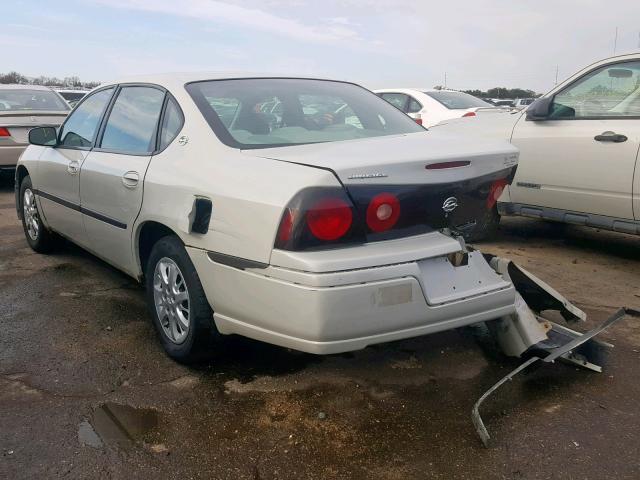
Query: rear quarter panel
248, 194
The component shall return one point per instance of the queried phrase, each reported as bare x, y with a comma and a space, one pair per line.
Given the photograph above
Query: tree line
502, 92
66, 82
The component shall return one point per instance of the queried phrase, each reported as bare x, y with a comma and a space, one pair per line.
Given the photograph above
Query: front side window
131, 125
612, 91
457, 100
171, 124
267, 112
34, 100
82, 125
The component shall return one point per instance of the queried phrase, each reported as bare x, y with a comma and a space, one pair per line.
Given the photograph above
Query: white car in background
306, 213
430, 107
579, 146
522, 103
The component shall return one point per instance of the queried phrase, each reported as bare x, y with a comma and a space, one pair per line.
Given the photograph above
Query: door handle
73, 168
610, 137
130, 179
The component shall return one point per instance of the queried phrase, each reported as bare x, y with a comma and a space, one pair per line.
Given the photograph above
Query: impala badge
450, 204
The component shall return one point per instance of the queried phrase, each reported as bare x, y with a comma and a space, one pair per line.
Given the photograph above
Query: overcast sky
479, 44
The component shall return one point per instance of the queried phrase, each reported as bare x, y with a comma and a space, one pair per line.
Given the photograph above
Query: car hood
400, 159
497, 126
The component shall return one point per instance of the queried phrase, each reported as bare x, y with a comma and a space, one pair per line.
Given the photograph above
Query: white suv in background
578, 146
430, 107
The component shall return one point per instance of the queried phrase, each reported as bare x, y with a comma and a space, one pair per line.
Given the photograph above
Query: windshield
24, 99
457, 100
268, 112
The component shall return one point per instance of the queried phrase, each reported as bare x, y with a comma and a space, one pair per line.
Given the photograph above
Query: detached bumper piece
527, 334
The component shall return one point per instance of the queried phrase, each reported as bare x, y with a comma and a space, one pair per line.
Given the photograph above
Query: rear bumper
9, 155
336, 312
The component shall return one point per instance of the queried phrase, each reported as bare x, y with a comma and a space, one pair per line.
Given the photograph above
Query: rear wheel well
150, 233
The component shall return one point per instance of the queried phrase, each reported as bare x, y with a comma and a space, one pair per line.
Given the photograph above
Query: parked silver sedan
23, 107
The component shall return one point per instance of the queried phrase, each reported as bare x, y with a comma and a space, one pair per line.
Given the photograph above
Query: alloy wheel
171, 299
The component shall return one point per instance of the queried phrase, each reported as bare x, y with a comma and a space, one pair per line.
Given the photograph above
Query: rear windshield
268, 112
23, 99
72, 96
457, 100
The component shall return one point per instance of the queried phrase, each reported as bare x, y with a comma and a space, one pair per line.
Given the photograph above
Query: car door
58, 168
582, 157
111, 179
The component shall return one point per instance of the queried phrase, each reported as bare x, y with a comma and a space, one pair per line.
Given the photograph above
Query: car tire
39, 238
180, 310
485, 227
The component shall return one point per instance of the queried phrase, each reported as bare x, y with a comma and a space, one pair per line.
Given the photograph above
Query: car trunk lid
439, 180
18, 123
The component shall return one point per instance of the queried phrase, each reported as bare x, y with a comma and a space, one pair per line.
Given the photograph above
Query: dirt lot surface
86, 392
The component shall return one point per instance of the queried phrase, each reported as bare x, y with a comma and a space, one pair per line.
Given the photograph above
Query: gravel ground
78, 355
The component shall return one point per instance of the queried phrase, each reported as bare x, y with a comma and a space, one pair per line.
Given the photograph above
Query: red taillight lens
418, 121
495, 191
469, 114
286, 227
4, 132
329, 218
383, 212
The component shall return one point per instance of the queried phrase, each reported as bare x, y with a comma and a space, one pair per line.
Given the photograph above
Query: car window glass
225, 107
459, 100
258, 113
80, 128
34, 100
398, 100
171, 124
611, 91
414, 106
132, 122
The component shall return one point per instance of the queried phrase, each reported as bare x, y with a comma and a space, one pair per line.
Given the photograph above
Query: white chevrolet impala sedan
305, 213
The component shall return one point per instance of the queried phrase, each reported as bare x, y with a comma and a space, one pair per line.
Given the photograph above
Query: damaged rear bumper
526, 333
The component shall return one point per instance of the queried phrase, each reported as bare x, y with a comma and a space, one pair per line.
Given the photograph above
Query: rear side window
131, 125
171, 124
398, 100
414, 106
82, 125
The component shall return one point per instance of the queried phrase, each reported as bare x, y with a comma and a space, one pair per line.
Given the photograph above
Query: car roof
412, 89
180, 78
16, 86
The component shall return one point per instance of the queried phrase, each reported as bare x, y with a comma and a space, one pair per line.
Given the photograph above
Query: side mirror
43, 136
539, 109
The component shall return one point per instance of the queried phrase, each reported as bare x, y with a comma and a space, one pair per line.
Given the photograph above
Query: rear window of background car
457, 100
23, 99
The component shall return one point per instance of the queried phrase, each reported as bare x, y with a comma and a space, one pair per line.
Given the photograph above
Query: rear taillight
495, 191
383, 212
4, 132
418, 119
469, 114
286, 227
318, 218
329, 219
